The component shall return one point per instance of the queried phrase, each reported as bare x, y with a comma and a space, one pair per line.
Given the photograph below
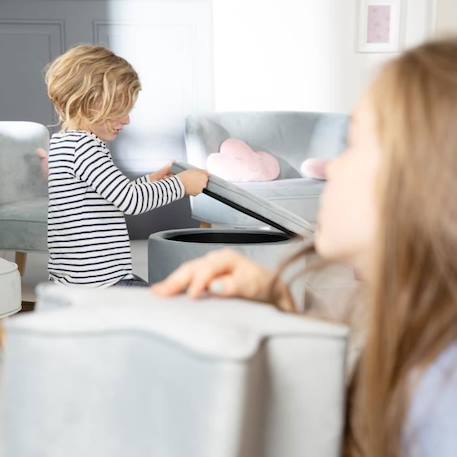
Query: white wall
169, 43
297, 54
446, 17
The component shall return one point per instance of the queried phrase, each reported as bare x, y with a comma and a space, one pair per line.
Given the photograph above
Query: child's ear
43, 156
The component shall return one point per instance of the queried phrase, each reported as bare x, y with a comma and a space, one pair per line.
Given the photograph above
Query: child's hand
43, 156
163, 173
226, 273
194, 180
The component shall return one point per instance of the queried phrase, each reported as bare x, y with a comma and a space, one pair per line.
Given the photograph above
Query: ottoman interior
228, 237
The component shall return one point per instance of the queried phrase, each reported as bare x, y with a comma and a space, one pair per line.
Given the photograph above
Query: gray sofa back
291, 136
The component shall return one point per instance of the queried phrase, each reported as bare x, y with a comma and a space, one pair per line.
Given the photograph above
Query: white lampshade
10, 288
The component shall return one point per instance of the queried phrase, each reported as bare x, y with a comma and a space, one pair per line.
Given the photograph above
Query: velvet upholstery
23, 189
290, 136
119, 372
250, 203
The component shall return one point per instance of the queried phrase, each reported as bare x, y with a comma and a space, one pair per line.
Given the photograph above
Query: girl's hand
226, 273
163, 173
43, 156
194, 180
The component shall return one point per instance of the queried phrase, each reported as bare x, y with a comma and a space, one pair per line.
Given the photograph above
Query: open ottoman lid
250, 204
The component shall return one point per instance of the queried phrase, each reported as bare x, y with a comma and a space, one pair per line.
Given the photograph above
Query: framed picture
380, 25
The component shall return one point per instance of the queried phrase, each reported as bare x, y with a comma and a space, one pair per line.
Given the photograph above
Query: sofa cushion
315, 168
23, 225
236, 161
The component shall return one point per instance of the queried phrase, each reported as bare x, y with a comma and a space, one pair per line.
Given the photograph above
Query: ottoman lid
250, 204
7, 267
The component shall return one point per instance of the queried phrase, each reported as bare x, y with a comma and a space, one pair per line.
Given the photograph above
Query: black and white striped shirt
88, 240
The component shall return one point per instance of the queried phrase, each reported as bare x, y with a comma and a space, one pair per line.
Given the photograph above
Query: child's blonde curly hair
91, 84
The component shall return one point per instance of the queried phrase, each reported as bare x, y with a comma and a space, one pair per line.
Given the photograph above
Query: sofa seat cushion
23, 225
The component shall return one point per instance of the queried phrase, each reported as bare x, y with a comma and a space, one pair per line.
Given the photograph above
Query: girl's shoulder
66, 138
432, 420
75, 136
74, 142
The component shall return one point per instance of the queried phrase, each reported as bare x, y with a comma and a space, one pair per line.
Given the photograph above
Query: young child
93, 91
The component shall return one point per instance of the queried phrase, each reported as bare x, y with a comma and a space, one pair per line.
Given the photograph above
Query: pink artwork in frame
380, 26
378, 23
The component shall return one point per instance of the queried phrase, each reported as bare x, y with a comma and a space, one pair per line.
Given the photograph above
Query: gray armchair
290, 136
119, 372
23, 190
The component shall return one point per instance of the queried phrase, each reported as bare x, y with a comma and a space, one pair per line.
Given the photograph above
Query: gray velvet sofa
290, 136
119, 372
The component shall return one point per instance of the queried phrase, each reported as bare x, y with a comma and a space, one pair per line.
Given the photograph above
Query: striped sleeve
94, 166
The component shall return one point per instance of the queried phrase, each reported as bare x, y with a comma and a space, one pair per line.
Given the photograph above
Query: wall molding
53, 33
58, 23
99, 28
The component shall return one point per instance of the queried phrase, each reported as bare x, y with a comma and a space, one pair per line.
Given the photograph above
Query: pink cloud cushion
237, 161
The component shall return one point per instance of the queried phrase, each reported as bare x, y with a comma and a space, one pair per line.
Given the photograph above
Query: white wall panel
26, 46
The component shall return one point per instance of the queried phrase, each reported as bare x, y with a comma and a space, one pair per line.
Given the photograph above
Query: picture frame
380, 26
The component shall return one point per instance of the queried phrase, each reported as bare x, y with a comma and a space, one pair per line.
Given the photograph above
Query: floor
36, 269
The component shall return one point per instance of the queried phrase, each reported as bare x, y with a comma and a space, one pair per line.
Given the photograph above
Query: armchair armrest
203, 137
21, 177
119, 372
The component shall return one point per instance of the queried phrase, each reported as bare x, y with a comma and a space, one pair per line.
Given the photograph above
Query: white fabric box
10, 288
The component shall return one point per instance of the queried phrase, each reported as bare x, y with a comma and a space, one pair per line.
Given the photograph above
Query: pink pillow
315, 169
237, 161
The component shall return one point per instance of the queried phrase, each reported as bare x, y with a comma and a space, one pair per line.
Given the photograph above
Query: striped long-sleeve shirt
88, 240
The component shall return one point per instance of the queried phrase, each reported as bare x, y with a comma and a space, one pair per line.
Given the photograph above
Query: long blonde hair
412, 303
91, 84
414, 298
